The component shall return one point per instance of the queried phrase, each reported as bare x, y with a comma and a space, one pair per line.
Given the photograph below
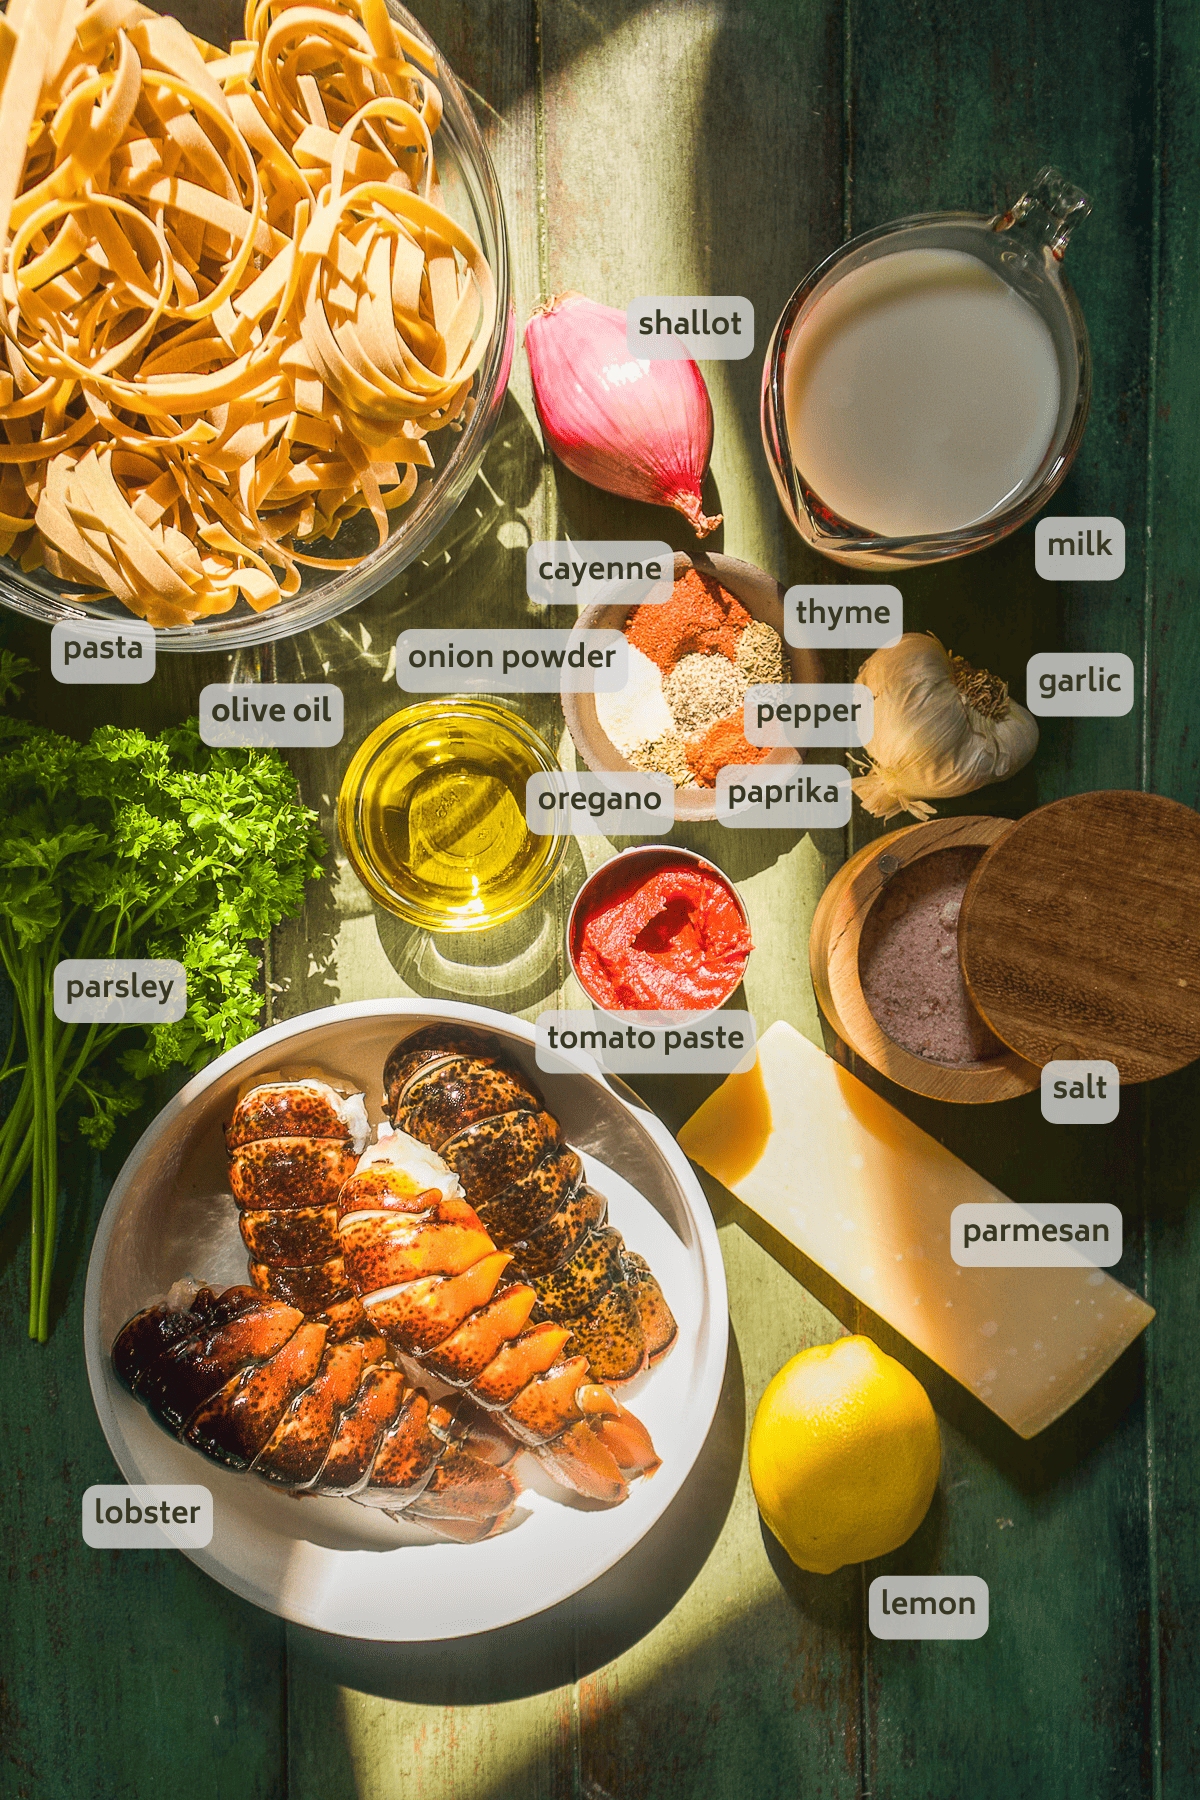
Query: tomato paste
671, 940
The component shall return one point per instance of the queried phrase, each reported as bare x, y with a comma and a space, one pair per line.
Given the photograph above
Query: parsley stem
32, 981
144, 917
14, 1164
50, 1190
18, 1125
7, 1069
18, 1164
28, 992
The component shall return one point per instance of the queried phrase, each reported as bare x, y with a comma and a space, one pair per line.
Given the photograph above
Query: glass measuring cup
1024, 248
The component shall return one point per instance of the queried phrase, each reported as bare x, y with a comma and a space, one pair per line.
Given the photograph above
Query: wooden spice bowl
762, 598
837, 931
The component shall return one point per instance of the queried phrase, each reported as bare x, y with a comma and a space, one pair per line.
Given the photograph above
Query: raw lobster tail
431, 1279
291, 1145
521, 1308
254, 1384
454, 1091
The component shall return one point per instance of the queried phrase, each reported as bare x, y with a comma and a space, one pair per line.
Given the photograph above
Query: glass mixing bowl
471, 194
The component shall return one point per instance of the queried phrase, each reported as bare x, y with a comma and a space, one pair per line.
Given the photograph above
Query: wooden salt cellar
837, 929
1078, 937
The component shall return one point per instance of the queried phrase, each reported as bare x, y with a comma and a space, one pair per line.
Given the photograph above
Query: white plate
331, 1564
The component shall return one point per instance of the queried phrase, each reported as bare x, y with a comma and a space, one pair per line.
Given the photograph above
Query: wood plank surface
687, 1701
748, 1674
122, 1672
1059, 1529
725, 146
1171, 1179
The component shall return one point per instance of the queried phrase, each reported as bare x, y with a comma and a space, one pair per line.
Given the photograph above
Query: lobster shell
255, 1385
320, 1238
291, 1145
292, 1379
430, 1278
454, 1090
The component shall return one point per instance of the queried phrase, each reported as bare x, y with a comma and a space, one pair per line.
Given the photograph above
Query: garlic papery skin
940, 729
642, 429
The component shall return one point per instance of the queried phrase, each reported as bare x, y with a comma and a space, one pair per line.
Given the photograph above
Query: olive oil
432, 814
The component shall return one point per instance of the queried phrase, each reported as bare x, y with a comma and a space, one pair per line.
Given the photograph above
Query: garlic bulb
941, 728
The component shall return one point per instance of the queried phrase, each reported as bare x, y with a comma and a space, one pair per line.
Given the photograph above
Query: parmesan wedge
865, 1196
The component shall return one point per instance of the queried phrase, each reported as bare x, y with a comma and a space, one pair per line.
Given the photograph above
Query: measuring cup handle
1047, 213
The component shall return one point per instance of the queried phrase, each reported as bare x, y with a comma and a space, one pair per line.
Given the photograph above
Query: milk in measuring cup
921, 394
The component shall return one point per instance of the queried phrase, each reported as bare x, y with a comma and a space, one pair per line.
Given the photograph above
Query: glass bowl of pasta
257, 325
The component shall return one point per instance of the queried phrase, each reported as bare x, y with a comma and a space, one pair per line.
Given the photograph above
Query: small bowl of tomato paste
658, 929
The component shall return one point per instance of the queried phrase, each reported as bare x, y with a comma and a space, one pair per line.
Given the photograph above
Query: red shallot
633, 427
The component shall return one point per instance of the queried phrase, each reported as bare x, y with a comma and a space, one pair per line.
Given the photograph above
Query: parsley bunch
129, 845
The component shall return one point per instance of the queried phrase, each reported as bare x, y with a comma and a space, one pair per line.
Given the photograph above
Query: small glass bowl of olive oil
432, 815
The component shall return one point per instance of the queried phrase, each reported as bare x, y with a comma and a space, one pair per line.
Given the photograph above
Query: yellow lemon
844, 1455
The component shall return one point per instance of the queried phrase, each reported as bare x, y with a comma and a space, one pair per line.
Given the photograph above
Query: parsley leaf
129, 846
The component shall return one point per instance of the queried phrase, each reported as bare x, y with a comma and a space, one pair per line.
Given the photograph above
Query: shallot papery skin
630, 426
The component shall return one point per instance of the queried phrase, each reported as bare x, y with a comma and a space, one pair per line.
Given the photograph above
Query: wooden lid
1079, 934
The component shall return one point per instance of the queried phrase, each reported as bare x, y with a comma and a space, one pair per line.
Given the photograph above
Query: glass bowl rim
378, 741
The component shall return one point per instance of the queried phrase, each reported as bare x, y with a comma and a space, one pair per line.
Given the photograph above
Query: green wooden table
725, 146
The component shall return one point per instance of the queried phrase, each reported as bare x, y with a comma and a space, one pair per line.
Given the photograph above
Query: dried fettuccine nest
233, 305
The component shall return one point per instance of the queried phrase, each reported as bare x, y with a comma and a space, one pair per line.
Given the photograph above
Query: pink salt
908, 962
